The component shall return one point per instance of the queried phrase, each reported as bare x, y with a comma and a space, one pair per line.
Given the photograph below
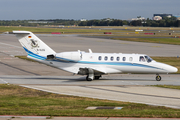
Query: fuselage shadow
75, 79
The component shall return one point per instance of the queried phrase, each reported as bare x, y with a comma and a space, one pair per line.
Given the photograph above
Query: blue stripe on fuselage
88, 62
118, 64
34, 55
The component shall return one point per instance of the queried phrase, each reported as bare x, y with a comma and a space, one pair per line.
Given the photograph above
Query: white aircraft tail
35, 47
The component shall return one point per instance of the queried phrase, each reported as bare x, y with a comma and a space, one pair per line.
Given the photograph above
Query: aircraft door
131, 59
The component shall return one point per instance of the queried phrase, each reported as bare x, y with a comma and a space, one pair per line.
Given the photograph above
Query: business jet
93, 65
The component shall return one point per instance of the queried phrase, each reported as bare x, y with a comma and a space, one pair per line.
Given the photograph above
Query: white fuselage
108, 63
91, 64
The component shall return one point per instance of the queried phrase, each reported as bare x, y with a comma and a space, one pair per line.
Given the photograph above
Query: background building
177, 16
163, 15
157, 18
83, 19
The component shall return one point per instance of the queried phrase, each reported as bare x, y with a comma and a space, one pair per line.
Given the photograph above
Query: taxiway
122, 87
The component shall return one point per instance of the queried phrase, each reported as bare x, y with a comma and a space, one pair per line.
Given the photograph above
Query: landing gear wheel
88, 79
158, 78
97, 77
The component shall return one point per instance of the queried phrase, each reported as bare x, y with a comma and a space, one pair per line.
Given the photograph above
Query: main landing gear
97, 77
94, 78
158, 77
90, 75
88, 78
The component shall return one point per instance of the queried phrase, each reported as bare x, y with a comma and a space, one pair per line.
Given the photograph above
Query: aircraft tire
97, 77
158, 78
88, 79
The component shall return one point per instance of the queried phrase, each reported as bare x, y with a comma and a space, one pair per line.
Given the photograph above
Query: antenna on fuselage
90, 51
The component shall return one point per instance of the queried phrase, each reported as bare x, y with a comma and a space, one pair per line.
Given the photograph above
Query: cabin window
105, 58
117, 58
141, 59
124, 58
112, 58
100, 58
130, 59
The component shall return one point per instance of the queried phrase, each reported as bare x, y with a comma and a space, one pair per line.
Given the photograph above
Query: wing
96, 70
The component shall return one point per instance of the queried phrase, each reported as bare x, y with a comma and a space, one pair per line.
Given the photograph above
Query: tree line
165, 22
38, 22
104, 22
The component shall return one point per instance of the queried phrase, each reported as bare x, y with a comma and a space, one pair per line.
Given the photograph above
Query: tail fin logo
34, 43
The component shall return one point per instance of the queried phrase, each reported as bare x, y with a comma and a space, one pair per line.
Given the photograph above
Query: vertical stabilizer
32, 44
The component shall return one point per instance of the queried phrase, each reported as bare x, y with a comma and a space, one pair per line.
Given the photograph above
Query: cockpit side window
148, 59
141, 59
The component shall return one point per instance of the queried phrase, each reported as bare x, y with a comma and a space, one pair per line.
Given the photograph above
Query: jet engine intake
69, 56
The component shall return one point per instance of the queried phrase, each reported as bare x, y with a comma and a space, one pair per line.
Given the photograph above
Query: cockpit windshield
148, 59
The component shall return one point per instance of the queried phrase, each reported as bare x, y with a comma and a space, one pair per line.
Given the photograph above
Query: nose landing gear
158, 77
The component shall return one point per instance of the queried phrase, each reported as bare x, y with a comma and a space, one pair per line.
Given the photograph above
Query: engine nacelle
75, 56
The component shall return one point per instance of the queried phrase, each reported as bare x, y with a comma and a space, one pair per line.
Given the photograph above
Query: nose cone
166, 68
172, 69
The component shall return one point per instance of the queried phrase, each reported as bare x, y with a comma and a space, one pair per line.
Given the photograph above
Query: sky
87, 9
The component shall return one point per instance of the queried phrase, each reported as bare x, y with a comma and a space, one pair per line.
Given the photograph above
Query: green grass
16, 100
87, 30
25, 58
175, 41
100, 32
168, 86
65, 30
